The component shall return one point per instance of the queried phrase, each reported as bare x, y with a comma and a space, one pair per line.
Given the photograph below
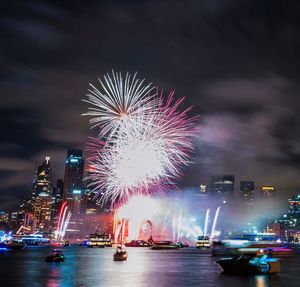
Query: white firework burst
118, 100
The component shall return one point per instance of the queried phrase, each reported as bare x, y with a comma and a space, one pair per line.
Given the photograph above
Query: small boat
164, 245
137, 243
182, 245
249, 264
56, 256
120, 254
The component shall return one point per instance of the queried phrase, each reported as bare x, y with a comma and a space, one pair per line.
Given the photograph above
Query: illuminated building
247, 192
14, 218
268, 192
42, 196
4, 217
41, 181
294, 206
222, 185
26, 220
73, 192
42, 211
201, 190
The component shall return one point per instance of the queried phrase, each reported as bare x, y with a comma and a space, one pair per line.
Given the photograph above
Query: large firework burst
143, 140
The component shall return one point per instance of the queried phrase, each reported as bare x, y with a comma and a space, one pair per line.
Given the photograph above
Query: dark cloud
236, 61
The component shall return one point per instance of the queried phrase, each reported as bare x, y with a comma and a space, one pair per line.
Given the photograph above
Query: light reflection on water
95, 267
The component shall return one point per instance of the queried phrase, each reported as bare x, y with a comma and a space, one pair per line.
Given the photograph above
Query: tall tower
42, 196
73, 186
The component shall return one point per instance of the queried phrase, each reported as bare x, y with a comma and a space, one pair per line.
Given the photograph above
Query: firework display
143, 140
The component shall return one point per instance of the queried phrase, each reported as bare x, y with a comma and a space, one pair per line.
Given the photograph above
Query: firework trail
143, 140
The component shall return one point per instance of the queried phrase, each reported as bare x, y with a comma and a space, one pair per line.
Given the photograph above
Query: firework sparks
143, 140
119, 101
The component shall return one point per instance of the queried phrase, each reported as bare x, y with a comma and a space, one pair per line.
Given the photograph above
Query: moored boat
164, 245
137, 243
97, 240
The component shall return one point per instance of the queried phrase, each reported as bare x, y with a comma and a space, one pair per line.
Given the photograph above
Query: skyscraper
73, 191
73, 186
57, 197
42, 196
247, 192
222, 185
41, 181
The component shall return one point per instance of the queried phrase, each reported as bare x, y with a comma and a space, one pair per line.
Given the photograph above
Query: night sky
236, 61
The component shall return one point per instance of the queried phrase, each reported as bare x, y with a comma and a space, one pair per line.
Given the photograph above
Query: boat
56, 256
164, 245
137, 243
249, 264
12, 245
120, 254
97, 240
60, 244
182, 245
34, 240
203, 242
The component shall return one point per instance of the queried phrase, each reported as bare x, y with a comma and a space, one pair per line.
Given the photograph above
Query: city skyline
213, 185
238, 68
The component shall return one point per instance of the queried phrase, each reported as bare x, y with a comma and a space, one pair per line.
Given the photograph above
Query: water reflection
144, 267
261, 281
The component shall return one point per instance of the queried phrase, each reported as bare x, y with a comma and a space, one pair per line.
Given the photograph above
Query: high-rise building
247, 192
73, 191
42, 179
42, 196
222, 185
268, 192
42, 211
73, 186
57, 197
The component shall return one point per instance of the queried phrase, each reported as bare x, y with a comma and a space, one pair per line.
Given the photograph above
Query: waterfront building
247, 192
14, 218
4, 217
42, 211
268, 192
222, 185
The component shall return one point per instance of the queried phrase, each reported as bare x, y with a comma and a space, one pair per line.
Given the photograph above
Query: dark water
95, 267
